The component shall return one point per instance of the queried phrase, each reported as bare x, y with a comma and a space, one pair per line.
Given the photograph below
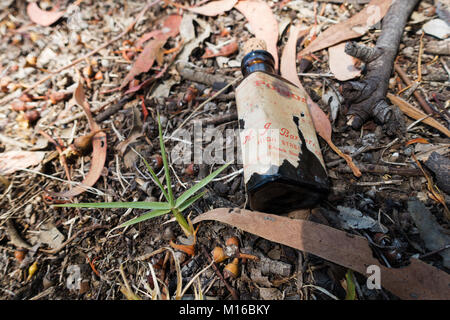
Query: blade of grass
154, 176
113, 205
166, 165
187, 194
190, 201
145, 216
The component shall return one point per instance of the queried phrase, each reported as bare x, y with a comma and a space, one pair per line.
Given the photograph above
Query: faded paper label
275, 125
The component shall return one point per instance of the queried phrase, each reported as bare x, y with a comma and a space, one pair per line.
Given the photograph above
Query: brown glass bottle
283, 165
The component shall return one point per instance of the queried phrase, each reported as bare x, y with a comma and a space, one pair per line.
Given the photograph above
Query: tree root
366, 98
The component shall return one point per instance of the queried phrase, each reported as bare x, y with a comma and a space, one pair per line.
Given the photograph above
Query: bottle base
281, 197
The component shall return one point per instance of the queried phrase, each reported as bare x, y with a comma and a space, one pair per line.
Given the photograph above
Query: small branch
362, 52
420, 99
366, 97
377, 169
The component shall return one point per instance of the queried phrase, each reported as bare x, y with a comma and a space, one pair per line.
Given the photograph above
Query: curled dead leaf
99, 147
350, 28
225, 51
43, 17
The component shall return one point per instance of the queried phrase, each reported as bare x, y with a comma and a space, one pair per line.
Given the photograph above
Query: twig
367, 97
420, 99
377, 169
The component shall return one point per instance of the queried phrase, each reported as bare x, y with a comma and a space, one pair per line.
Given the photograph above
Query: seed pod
219, 255
190, 170
191, 94
19, 254
232, 247
84, 143
156, 162
232, 241
57, 96
32, 116
232, 269
26, 97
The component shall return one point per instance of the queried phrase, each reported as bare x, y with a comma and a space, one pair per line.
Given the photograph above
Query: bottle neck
258, 60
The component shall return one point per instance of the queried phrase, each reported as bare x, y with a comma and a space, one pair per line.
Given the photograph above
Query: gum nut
19, 254
232, 269
232, 241
219, 255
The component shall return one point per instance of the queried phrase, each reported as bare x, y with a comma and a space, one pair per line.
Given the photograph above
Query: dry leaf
351, 28
214, 8
12, 161
145, 60
418, 280
42, 17
263, 23
416, 114
342, 65
99, 147
225, 51
322, 124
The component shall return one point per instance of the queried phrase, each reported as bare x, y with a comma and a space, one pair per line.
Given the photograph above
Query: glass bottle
283, 165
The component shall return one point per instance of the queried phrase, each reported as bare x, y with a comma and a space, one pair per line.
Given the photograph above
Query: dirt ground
75, 253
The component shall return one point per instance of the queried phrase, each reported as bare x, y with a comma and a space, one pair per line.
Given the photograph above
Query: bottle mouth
255, 57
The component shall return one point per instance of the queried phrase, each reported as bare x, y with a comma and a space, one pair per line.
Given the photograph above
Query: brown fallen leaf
263, 23
416, 114
322, 124
12, 161
418, 280
351, 28
43, 17
225, 51
342, 65
145, 60
214, 8
99, 147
